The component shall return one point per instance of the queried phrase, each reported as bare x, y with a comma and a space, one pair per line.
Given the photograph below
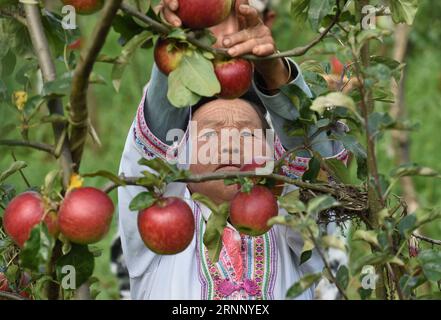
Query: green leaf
303, 284
81, 259
291, 202
126, 56
408, 170
342, 277
215, 225
37, 250
318, 9
409, 283
407, 224
332, 100
313, 170
375, 258
299, 10
351, 144
340, 172
404, 11
8, 63
197, 74
320, 203
178, 94
330, 241
305, 256
13, 168
431, 263
106, 174
59, 87
159, 165
369, 236
142, 201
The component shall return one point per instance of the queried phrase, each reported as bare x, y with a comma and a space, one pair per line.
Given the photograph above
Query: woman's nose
232, 150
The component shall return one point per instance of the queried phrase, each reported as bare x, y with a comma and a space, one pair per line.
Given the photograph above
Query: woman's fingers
248, 46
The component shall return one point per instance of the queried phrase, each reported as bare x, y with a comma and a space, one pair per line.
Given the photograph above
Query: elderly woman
262, 267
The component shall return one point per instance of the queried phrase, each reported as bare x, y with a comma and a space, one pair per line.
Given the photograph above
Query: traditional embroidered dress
261, 267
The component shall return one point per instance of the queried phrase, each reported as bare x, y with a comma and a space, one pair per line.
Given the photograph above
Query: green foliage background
112, 114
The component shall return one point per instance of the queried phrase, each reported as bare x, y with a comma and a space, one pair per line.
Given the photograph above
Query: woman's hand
167, 10
256, 38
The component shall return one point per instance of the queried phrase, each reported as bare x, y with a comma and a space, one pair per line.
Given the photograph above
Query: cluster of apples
84, 216
234, 75
168, 226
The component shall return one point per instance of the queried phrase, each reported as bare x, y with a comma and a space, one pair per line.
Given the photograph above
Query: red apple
250, 212
276, 190
4, 286
23, 213
25, 283
85, 6
75, 45
337, 67
167, 227
200, 14
85, 215
168, 54
235, 77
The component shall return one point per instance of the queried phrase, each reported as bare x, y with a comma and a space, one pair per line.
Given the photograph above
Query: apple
276, 190
85, 215
167, 227
25, 283
200, 14
23, 213
235, 76
85, 6
75, 45
168, 54
250, 212
337, 67
4, 285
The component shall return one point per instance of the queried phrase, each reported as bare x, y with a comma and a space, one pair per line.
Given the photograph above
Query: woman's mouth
228, 167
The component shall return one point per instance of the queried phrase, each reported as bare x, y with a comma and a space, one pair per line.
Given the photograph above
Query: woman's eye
209, 134
246, 134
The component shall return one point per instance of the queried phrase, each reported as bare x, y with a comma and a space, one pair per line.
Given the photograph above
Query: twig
190, 37
21, 172
11, 296
80, 81
14, 15
34, 145
427, 239
47, 66
327, 266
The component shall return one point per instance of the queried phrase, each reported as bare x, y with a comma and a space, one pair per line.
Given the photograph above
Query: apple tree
35, 34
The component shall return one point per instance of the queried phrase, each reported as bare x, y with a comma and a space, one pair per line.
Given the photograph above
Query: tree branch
33, 145
427, 239
47, 66
190, 37
11, 296
80, 81
198, 178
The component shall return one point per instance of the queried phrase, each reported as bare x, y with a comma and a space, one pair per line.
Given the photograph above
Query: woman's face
229, 134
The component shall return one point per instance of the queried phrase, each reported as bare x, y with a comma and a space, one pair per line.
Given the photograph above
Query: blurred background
112, 114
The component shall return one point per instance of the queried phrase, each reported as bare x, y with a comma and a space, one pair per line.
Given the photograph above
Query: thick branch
190, 37
80, 81
42, 50
33, 145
